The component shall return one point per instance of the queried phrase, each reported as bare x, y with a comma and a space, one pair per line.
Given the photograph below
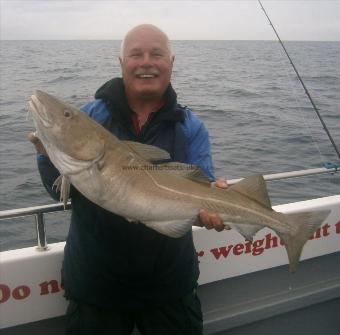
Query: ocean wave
241, 92
62, 79
322, 77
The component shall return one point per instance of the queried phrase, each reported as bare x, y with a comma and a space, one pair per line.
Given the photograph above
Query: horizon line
173, 40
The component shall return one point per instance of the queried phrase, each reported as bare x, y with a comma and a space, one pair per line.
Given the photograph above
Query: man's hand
37, 143
212, 220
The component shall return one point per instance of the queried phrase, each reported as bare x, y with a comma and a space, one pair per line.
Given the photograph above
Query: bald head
146, 62
143, 30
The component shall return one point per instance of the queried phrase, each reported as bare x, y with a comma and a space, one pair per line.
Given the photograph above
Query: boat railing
294, 174
39, 211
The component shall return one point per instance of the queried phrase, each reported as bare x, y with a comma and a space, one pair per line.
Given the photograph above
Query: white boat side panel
30, 279
30, 285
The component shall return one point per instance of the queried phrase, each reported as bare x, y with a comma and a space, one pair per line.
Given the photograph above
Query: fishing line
303, 84
307, 129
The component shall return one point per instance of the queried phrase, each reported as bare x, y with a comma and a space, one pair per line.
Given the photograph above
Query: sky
181, 20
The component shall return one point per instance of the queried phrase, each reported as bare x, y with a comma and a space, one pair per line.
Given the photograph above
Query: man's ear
172, 61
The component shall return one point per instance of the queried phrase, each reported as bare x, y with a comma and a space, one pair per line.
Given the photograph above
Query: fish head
70, 137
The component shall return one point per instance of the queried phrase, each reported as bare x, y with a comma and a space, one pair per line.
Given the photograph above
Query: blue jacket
108, 260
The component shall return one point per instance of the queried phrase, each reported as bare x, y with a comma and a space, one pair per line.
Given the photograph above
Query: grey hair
168, 43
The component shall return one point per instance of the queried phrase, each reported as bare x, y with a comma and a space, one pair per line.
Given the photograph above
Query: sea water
245, 92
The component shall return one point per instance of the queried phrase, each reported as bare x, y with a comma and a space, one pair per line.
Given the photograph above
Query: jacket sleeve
48, 174
198, 149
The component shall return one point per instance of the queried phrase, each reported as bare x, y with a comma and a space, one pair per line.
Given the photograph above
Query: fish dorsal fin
148, 152
188, 171
157, 156
253, 187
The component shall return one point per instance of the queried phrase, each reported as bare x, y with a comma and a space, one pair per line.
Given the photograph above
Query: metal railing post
41, 232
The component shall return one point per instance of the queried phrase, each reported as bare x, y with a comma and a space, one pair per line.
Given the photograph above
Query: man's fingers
215, 219
37, 143
221, 183
211, 221
205, 219
217, 222
33, 138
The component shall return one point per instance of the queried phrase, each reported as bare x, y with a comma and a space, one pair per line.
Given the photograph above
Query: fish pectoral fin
253, 187
247, 230
148, 152
173, 228
301, 227
63, 185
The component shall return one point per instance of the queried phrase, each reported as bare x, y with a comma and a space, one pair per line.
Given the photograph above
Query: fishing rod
303, 84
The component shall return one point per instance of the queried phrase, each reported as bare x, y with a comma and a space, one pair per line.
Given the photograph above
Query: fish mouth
38, 111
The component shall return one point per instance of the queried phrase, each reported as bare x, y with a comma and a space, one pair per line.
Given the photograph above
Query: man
119, 274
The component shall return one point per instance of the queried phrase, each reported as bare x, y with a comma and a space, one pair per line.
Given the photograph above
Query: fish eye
67, 113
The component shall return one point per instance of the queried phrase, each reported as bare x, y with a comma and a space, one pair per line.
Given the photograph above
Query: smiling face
146, 63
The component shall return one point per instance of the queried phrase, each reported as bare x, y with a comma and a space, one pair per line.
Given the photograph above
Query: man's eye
136, 54
157, 54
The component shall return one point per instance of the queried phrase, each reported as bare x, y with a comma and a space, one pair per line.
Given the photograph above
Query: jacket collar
113, 93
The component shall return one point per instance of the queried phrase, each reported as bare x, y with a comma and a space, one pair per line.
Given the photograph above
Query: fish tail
302, 226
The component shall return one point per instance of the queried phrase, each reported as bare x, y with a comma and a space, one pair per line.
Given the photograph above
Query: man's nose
146, 60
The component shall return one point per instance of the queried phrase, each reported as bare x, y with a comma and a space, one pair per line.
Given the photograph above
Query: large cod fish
120, 176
